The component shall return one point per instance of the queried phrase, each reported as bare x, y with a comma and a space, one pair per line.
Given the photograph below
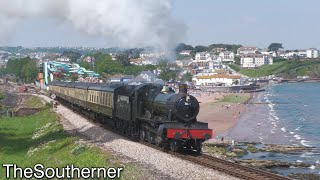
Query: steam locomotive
152, 112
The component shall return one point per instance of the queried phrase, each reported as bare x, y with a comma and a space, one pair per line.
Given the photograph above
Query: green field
40, 138
287, 69
233, 98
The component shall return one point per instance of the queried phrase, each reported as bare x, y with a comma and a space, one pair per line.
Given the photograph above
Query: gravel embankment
157, 161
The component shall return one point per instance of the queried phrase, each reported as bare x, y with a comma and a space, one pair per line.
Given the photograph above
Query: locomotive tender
152, 112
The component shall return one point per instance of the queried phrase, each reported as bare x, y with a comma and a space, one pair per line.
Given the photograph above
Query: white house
145, 55
247, 50
227, 56
217, 79
255, 60
148, 76
89, 59
203, 56
185, 53
113, 56
143, 61
183, 63
312, 53
217, 50
302, 53
63, 59
207, 64
149, 61
267, 52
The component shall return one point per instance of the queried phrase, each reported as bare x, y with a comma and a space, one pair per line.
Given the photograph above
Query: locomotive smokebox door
183, 88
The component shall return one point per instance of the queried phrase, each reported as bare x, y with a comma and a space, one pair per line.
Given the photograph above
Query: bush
2, 96
234, 67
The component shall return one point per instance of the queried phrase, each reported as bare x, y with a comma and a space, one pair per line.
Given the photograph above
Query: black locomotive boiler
152, 112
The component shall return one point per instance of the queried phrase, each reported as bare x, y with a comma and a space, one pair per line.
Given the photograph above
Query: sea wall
229, 89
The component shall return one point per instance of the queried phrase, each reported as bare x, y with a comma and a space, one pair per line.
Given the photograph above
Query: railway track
231, 168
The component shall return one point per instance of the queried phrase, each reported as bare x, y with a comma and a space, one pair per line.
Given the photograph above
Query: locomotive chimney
183, 88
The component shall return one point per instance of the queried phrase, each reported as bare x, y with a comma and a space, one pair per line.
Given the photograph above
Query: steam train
151, 112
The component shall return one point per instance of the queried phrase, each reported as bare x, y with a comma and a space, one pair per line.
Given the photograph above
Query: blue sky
295, 23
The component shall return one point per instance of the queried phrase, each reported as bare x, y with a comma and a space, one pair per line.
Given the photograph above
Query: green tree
229, 47
200, 48
237, 60
275, 47
73, 55
167, 73
85, 75
182, 47
87, 65
123, 59
187, 77
29, 71
24, 69
73, 77
105, 64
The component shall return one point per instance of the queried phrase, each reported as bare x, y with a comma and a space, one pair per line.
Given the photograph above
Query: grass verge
34, 102
40, 138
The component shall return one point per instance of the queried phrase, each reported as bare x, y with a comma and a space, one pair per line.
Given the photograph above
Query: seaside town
159, 89
211, 68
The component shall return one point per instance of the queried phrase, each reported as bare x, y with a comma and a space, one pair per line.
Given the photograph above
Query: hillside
41, 139
286, 69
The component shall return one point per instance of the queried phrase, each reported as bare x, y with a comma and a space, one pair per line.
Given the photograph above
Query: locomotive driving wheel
158, 142
174, 145
142, 135
198, 147
151, 138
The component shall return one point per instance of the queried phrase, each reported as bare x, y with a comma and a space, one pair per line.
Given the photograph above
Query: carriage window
123, 98
107, 99
110, 100
97, 97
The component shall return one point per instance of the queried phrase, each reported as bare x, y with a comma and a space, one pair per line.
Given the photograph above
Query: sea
286, 113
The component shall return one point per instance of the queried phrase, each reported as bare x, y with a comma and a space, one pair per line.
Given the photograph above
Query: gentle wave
272, 131
306, 143
298, 137
307, 155
312, 167
283, 129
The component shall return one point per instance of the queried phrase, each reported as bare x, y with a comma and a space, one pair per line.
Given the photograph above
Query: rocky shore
236, 152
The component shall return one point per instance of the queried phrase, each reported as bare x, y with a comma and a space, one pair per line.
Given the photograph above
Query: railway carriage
149, 111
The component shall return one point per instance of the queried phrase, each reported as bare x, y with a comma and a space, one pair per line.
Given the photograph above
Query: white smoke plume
132, 23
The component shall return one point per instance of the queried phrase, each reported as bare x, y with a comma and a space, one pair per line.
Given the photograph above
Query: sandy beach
221, 116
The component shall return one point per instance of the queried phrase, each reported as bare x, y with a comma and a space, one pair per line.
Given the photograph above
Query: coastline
221, 116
